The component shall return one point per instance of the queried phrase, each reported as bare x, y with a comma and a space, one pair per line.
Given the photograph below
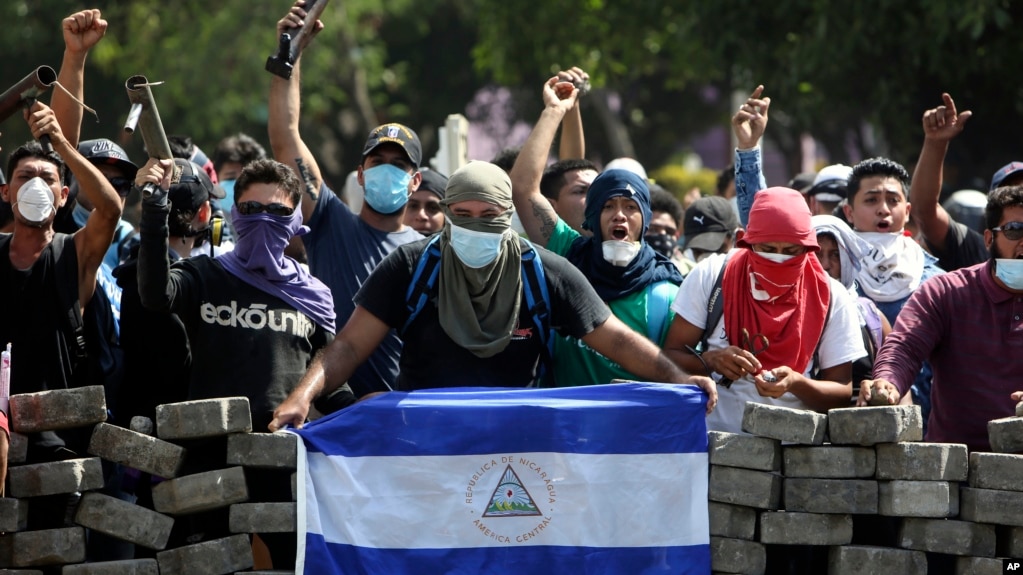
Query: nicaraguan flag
597, 479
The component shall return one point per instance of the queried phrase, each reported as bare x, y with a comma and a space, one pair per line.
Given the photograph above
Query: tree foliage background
856, 75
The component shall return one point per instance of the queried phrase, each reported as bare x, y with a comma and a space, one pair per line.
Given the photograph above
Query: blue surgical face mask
1010, 272
228, 186
386, 188
475, 249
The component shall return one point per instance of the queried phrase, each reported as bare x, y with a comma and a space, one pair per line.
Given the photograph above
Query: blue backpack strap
539, 302
659, 297
423, 280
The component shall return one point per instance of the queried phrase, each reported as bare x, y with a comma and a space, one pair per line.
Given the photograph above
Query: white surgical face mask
35, 201
1010, 272
620, 253
475, 249
776, 258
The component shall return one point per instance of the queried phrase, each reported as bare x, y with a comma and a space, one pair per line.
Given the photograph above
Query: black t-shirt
431, 359
963, 248
244, 341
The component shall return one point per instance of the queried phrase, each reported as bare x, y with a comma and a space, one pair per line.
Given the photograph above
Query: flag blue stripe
323, 557
661, 418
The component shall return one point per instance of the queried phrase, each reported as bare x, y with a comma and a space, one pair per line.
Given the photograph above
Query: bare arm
536, 213
573, 142
331, 368
82, 30
731, 362
284, 112
941, 125
833, 389
639, 356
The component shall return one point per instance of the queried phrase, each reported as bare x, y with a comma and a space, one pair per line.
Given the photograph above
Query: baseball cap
1010, 169
627, 164
802, 182
831, 183
433, 182
395, 134
103, 151
191, 186
709, 220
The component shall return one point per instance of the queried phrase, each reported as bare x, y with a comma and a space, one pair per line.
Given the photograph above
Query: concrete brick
214, 557
270, 572
1010, 541
13, 514
136, 450
143, 425
203, 418
123, 520
294, 486
126, 567
792, 528
58, 409
20, 572
262, 518
791, 425
991, 506
873, 425
922, 461
1005, 435
745, 487
737, 556
264, 450
978, 566
732, 521
830, 495
996, 471
829, 462
201, 491
865, 560
746, 451
17, 448
67, 476
918, 498
48, 547
948, 536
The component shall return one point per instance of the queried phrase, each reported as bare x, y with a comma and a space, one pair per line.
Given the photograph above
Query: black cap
104, 151
191, 186
396, 134
433, 182
709, 220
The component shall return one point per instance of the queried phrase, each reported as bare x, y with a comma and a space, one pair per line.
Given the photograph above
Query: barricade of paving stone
58, 409
785, 424
203, 418
136, 450
124, 567
214, 557
869, 426
262, 518
263, 450
13, 514
123, 520
70, 476
1006, 435
201, 491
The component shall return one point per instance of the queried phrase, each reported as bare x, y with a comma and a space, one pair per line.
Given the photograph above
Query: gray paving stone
873, 425
865, 560
732, 521
263, 450
137, 450
829, 461
48, 547
125, 567
262, 517
918, 498
1006, 435
1010, 541
203, 418
793, 528
857, 496
124, 520
978, 566
143, 425
214, 557
58, 409
996, 471
790, 425
991, 506
746, 451
922, 461
737, 556
747, 487
17, 449
201, 492
948, 536
69, 476
13, 514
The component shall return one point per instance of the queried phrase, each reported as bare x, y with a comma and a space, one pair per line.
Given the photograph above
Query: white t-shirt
841, 342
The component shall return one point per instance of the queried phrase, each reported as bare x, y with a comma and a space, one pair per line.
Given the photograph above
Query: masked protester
787, 333
476, 327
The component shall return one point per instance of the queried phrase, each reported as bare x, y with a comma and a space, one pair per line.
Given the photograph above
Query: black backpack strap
538, 299
423, 280
715, 307
67, 292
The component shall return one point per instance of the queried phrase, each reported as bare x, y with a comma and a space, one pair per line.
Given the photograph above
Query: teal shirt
575, 363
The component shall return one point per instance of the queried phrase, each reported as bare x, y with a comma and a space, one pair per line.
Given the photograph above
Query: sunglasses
1012, 230
121, 185
274, 209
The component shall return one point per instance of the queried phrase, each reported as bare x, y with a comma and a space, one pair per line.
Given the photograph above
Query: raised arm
941, 125
639, 356
572, 145
749, 124
82, 30
285, 109
153, 270
331, 368
535, 211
